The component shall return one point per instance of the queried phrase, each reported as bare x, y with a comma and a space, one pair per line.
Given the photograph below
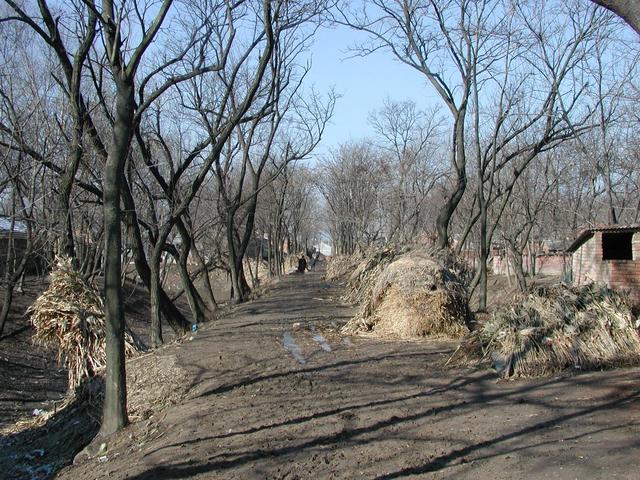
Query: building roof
586, 233
19, 227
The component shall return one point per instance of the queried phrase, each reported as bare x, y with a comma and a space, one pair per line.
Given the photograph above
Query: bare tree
409, 139
435, 38
351, 183
552, 57
72, 63
21, 219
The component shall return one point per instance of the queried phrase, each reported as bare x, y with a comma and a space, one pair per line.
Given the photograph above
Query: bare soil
275, 392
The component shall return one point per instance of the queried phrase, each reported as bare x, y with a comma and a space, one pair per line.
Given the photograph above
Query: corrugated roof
586, 233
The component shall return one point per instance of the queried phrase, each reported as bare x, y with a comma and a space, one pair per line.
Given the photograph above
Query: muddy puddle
321, 341
289, 343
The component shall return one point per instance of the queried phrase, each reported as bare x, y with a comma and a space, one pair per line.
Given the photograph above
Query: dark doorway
617, 246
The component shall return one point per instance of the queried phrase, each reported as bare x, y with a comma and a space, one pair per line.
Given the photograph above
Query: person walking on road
302, 264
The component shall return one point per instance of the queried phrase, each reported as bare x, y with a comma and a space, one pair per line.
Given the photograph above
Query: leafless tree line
535, 137
146, 133
158, 133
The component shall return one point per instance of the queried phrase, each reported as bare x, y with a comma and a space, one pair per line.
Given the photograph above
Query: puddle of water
324, 345
347, 342
292, 347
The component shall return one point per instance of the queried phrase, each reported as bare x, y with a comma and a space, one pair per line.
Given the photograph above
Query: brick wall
550, 264
588, 266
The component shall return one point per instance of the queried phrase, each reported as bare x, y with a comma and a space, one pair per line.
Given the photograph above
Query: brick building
19, 235
609, 255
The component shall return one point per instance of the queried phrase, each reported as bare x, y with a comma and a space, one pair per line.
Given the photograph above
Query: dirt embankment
41, 428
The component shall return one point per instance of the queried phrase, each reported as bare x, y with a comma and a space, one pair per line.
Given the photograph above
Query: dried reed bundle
551, 329
69, 316
340, 266
363, 278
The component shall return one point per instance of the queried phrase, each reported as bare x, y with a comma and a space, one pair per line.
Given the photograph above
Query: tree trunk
238, 292
115, 401
174, 317
9, 259
483, 279
258, 259
518, 269
66, 245
459, 163
197, 305
628, 10
154, 297
270, 259
6, 306
207, 281
13, 273
484, 252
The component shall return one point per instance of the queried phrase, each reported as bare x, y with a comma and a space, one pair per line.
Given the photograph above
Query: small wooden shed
608, 254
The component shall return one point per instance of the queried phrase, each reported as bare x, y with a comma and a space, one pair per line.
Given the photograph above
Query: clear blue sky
363, 84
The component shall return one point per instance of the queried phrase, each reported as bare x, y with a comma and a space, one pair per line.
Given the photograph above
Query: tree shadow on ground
454, 384
42, 450
448, 459
361, 435
313, 369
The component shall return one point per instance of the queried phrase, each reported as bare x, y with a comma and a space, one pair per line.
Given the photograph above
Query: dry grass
415, 294
341, 266
249, 266
154, 382
69, 317
551, 329
363, 278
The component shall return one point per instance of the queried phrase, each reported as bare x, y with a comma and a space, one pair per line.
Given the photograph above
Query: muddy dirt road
277, 394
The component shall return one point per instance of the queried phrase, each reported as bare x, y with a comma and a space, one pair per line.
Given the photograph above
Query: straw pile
555, 328
417, 294
69, 316
363, 278
340, 266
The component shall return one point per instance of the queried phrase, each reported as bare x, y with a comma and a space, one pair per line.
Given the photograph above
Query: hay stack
69, 316
363, 278
418, 294
551, 329
340, 266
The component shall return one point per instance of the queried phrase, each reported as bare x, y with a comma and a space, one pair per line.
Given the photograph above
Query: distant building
19, 239
324, 248
608, 254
